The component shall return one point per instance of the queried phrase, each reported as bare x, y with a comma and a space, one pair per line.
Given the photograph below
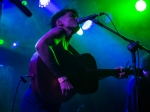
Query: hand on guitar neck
122, 73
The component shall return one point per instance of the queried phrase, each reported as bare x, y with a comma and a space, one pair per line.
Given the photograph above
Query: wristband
62, 79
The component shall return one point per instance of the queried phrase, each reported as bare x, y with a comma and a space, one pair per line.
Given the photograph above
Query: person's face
69, 21
146, 74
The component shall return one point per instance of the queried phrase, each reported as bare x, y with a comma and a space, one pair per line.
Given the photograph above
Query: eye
72, 15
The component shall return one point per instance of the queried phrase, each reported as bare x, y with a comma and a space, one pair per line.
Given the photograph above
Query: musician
141, 94
53, 49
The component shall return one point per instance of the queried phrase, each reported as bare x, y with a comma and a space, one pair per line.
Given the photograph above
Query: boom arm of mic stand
126, 39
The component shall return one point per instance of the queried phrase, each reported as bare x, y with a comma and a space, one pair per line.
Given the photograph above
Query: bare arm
45, 50
45, 46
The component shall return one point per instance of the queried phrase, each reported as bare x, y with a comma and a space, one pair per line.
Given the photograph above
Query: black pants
31, 104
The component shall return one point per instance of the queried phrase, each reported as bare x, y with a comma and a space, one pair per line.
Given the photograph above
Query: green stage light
140, 5
1, 41
24, 2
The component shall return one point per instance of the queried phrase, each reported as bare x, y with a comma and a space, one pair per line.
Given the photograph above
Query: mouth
76, 21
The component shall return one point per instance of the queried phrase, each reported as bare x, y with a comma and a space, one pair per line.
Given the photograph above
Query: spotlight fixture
140, 5
43, 3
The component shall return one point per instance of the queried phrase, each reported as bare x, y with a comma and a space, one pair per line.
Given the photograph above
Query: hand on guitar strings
121, 73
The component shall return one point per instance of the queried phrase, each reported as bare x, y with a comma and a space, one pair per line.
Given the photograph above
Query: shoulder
131, 84
51, 36
55, 33
131, 80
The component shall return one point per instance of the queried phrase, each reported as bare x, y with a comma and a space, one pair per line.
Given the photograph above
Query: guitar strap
72, 50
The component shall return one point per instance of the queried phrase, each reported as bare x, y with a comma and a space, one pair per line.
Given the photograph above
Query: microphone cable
111, 21
22, 78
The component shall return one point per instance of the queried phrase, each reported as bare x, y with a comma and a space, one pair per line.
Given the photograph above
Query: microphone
91, 17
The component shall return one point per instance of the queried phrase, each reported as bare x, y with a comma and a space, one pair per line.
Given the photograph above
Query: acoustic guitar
81, 71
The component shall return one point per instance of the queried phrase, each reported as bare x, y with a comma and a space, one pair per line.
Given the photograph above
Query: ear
58, 23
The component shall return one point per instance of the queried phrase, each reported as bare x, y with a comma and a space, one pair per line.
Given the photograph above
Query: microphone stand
132, 47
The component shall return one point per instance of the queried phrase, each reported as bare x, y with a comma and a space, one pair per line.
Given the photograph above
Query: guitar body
46, 86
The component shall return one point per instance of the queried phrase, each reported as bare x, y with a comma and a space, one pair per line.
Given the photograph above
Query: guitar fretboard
112, 72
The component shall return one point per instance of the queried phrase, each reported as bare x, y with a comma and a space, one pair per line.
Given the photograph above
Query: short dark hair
60, 13
145, 62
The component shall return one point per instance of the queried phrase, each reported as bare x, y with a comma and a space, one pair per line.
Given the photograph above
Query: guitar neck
112, 72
